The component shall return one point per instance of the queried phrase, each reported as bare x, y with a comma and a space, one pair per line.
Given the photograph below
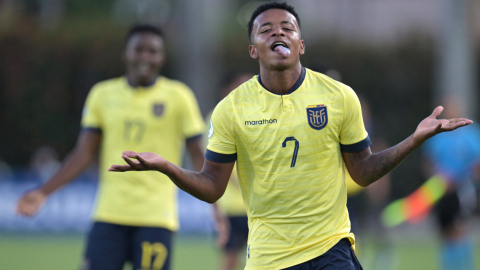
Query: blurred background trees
53, 51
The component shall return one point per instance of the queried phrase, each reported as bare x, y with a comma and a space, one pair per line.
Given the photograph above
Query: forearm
71, 167
367, 168
207, 185
201, 185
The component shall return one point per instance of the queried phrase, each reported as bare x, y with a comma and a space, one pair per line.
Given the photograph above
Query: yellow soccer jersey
289, 163
156, 119
231, 202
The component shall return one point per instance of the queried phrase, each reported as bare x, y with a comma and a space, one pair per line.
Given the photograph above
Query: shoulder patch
210, 130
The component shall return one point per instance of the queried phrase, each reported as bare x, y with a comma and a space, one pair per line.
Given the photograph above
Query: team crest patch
158, 109
317, 116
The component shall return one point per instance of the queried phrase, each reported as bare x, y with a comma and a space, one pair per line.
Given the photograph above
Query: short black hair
271, 5
143, 28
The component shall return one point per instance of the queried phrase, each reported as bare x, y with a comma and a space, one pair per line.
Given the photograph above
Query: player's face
144, 56
272, 28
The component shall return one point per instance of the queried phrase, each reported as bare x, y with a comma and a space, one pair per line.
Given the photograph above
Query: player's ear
253, 51
302, 47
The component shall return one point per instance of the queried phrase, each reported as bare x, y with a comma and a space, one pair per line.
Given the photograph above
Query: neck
280, 82
135, 81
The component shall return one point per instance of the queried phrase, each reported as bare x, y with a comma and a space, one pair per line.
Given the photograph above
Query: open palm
431, 126
145, 161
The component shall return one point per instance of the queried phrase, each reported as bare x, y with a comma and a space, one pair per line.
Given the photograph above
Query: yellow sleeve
91, 115
220, 135
191, 118
353, 136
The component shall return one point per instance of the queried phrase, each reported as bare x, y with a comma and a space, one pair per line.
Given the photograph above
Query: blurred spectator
44, 162
455, 156
231, 221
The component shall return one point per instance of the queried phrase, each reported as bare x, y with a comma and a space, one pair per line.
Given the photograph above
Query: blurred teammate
135, 213
290, 129
230, 214
456, 157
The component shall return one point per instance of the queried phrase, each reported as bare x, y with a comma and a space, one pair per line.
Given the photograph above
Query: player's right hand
145, 161
30, 203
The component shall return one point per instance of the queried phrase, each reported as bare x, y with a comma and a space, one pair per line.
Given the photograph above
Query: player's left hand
431, 126
30, 203
145, 161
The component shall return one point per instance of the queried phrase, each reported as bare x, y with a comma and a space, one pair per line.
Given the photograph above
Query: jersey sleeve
191, 118
221, 144
353, 135
91, 115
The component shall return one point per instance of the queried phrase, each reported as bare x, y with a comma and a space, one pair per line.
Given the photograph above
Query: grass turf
63, 252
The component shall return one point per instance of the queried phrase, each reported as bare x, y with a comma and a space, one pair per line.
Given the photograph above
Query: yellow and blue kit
231, 203
159, 119
288, 150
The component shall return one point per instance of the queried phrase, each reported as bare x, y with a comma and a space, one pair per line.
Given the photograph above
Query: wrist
166, 169
45, 191
415, 142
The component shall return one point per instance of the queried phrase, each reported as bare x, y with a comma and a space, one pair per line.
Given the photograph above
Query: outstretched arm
82, 155
207, 185
366, 168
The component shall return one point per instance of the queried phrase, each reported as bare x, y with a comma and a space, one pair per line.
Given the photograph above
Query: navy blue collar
147, 85
294, 87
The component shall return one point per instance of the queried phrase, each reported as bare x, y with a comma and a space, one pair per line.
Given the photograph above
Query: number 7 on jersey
295, 151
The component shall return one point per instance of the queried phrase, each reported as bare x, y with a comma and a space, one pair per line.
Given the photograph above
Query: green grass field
63, 252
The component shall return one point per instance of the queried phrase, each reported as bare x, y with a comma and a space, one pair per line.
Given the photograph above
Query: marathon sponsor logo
261, 122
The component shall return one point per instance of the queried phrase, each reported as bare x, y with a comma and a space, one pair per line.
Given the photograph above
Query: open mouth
281, 48
279, 43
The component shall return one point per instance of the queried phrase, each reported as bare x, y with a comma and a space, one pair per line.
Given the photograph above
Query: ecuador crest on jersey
317, 116
158, 109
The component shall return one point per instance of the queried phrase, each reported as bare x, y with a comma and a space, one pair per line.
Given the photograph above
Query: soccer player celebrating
290, 130
136, 213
